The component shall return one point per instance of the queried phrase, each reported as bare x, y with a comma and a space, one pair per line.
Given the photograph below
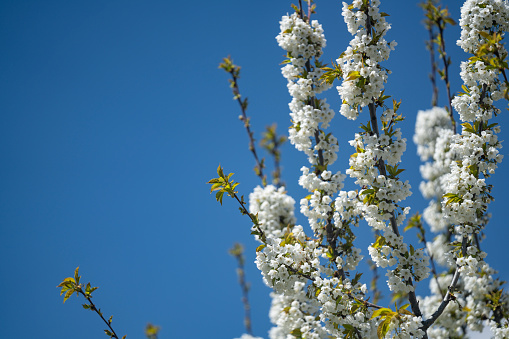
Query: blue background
113, 118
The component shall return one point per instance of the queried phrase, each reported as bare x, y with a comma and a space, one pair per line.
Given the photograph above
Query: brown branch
234, 71
446, 72
94, 308
449, 295
237, 252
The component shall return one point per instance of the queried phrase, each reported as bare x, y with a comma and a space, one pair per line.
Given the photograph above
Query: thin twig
234, 71
432, 75
252, 146
237, 252
94, 308
446, 72
449, 295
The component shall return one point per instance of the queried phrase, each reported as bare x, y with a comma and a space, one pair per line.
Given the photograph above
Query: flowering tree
318, 291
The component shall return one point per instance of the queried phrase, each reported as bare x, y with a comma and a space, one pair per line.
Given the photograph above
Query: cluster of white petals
295, 313
433, 133
274, 207
364, 78
455, 172
476, 16
248, 336
315, 294
303, 43
408, 327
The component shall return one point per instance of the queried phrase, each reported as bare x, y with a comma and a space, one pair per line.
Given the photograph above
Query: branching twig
234, 71
446, 63
237, 251
72, 285
272, 143
430, 46
450, 291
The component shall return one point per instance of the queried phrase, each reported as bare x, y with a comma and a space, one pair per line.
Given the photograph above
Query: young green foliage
223, 185
72, 285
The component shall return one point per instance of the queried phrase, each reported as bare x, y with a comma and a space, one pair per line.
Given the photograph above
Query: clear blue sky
113, 116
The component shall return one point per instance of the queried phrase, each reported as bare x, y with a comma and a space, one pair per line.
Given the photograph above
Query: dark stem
94, 308
253, 220
245, 119
432, 75
433, 267
446, 73
245, 291
449, 295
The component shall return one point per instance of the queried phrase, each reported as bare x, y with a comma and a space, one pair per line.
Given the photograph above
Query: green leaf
261, 247
76, 276
382, 312
68, 294
352, 75
383, 328
368, 191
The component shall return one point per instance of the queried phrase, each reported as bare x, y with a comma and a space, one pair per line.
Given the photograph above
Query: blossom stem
243, 106
237, 252
449, 295
446, 72
94, 308
432, 75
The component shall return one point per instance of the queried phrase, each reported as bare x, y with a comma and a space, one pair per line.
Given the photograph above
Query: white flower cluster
274, 207
281, 259
429, 125
299, 38
412, 264
483, 86
458, 167
363, 77
478, 16
433, 133
477, 148
380, 193
286, 265
248, 336
501, 331
478, 154
317, 206
407, 327
314, 296
378, 199
337, 303
303, 43
295, 313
